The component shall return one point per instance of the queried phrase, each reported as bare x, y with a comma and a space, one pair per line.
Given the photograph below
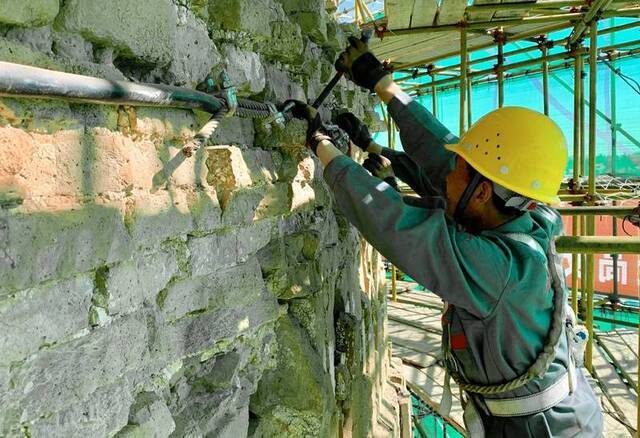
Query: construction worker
481, 242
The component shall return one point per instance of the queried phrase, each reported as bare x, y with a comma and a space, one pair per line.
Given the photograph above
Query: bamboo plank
451, 11
618, 394
415, 358
624, 357
612, 425
430, 389
424, 13
398, 14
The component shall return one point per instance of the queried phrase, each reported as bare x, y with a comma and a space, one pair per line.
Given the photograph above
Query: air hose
18, 80
25, 81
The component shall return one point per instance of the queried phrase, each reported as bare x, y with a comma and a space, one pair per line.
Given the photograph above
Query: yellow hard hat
518, 148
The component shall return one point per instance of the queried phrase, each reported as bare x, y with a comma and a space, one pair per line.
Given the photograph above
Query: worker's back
502, 345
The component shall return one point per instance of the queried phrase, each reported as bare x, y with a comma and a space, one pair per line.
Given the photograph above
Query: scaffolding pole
434, 97
597, 245
391, 140
469, 104
597, 210
545, 77
576, 176
463, 78
514, 38
593, 66
492, 70
499, 38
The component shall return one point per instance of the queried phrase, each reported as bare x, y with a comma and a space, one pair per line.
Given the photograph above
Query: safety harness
515, 406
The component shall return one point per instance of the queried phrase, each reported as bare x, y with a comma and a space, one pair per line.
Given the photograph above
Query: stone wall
143, 293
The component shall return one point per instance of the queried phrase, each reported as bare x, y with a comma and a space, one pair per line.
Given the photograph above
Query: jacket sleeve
466, 270
423, 138
410, 173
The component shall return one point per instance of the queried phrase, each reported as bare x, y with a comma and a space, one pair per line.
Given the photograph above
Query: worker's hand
360, 65
304, 111
355, 129
380, 167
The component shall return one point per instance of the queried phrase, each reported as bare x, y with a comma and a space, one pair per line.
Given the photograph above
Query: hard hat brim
458, 149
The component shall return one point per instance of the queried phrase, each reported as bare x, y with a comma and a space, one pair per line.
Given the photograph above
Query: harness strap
547, 355
538, 402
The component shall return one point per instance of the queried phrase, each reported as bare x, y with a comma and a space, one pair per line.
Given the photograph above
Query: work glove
380, 167
357, 131
315, 129
360, 65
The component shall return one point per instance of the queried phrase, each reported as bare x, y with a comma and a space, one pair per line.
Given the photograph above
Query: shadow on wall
128, 271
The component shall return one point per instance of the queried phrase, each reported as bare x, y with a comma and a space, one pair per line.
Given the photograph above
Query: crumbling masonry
143, 293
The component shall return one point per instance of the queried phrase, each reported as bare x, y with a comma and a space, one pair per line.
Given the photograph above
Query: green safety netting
618, 99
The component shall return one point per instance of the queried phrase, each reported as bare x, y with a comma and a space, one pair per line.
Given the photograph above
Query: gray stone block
152, 221
237, 285
130, 284
296, 398
244, 69
42, 316
72, 46
193, 55
280, 87
211, 253
38, 38
102, 413
149, 417
234, 130
52, 379
42, 246
286, 43
200, 333
28, 13
144, 29
245, 16
310, 15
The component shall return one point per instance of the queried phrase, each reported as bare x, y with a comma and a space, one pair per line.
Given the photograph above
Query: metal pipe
463, 78
577, 74
585, 197
499, 70
516, 37
591, 227
589, 289
528, 5
452, 83
469, 104
598, 245
434, 97
581, 122
574, 269
515, 65
391, 141
596, 210
614, 299
471, 25
584, 273
593, 73
545, 79
587, 20
24, 81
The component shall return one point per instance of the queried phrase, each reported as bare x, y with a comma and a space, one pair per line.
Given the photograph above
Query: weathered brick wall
143, 293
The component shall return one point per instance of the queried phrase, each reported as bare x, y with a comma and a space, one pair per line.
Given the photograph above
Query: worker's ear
484, 192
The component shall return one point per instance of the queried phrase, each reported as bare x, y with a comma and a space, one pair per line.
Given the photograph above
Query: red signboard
628, 264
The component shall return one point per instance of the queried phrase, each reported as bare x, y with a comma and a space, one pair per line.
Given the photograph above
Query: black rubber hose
24, 81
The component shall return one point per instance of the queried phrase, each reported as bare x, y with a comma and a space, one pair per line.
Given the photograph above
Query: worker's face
457, 181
